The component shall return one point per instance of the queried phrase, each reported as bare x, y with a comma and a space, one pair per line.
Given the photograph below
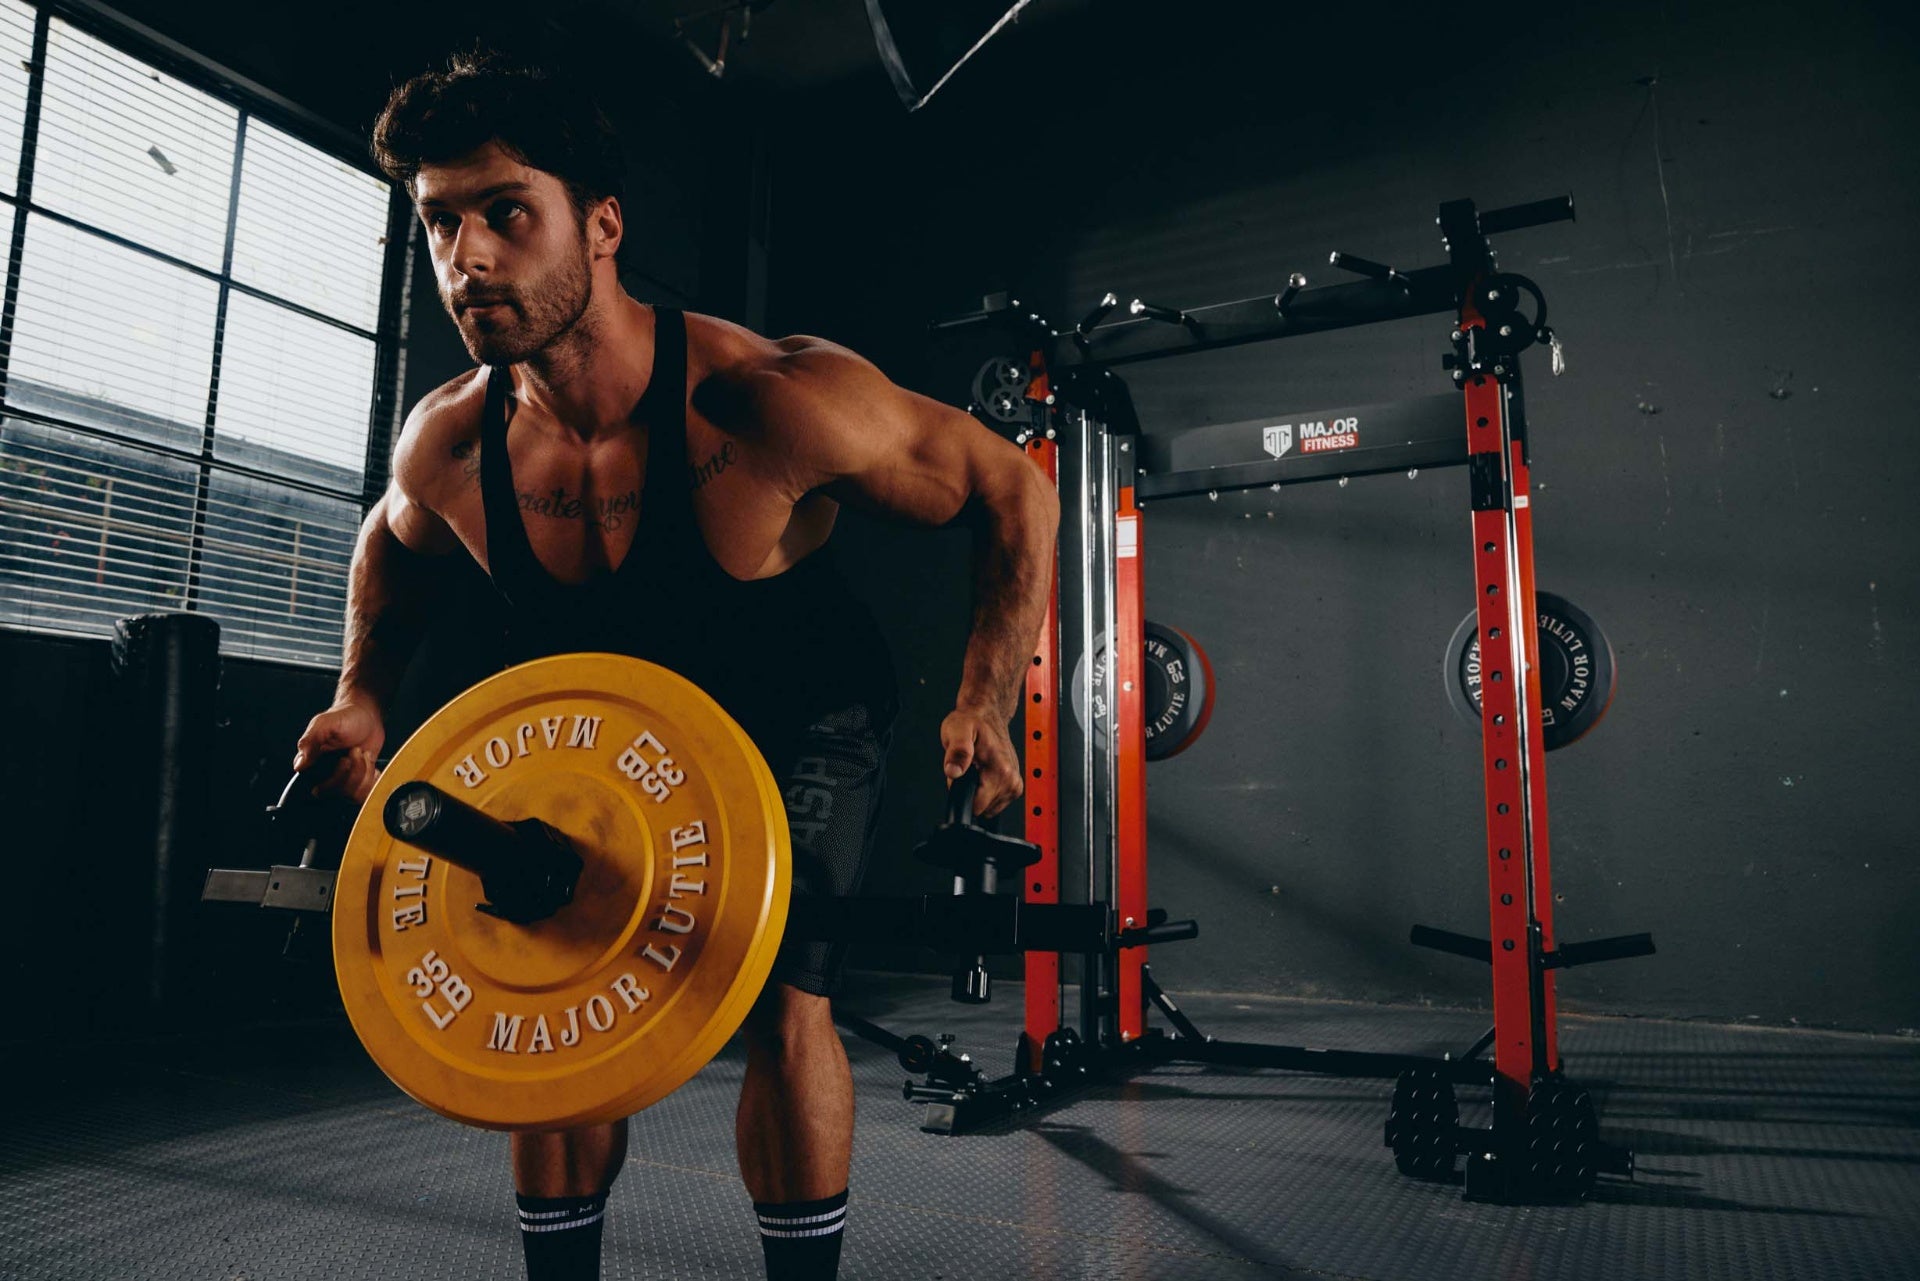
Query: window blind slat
111, 337
131, 150
16, 50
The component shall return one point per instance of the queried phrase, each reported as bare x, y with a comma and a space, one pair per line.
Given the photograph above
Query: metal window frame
252, 101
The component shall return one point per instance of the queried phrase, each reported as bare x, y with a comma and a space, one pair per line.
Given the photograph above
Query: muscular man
639, 480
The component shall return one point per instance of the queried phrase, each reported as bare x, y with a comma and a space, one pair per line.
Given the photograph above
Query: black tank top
777, 653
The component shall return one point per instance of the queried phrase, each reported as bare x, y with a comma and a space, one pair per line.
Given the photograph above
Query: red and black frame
1070, 411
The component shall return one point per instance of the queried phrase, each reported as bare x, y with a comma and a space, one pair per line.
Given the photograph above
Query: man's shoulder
720, 349
443, 425
451, 408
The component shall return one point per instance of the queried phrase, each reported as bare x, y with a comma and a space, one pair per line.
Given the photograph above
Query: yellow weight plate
623, 994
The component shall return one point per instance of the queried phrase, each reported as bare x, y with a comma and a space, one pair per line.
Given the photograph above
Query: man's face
508, 251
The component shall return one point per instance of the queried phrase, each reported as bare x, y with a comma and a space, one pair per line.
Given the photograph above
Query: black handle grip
1532, 214
298, 793
960, 797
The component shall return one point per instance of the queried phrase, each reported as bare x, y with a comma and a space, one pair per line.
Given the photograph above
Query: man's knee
786, 1021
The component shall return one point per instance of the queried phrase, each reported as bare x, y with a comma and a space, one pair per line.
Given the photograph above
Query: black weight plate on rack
1178, 698
1577, 670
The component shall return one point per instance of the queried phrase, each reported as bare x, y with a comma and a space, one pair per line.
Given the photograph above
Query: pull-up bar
1152, 331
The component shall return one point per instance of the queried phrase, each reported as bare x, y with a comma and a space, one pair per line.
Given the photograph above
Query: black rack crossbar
1152, 332
1293, 449
1427, 291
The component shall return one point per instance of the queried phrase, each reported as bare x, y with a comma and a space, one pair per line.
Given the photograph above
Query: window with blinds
188, 356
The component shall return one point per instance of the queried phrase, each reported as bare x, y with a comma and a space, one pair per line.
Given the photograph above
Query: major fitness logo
1315, 437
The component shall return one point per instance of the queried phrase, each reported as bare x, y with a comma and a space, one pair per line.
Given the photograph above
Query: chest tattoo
559, 503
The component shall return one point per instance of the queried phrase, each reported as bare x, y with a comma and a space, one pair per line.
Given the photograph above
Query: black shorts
831, 781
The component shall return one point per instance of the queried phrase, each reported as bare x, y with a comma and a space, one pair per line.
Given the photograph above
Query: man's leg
794, 1132
794, 1127
561, 1179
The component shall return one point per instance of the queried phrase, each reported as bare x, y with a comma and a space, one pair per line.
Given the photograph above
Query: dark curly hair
537, 118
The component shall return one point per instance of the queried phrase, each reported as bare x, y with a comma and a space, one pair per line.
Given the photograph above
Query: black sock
801, 1239
561, 1236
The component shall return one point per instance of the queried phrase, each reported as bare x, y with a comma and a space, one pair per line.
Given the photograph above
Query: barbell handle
298, 795
960, 797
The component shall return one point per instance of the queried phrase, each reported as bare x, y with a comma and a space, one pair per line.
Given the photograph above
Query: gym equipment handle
960, 797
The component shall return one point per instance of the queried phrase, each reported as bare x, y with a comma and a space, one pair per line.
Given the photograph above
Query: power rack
1086, 786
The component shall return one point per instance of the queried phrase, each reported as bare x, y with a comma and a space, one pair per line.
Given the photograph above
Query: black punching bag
166, 676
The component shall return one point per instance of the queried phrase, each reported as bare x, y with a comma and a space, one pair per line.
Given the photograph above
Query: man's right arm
390, 587
388, 591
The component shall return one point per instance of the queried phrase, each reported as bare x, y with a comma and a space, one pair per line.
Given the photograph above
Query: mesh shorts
831, 782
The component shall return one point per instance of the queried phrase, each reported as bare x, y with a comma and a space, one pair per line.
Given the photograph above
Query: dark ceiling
798, 44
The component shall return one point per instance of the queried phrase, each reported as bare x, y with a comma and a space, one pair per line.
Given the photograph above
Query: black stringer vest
777, 652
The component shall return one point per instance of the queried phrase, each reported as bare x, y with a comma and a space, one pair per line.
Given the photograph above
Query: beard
524, 321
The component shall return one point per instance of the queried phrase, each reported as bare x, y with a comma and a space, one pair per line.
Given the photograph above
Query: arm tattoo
468, 453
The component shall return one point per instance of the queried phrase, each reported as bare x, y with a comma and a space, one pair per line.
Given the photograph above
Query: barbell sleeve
427, 818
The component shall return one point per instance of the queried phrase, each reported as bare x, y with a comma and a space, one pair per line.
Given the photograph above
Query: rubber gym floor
283, 1153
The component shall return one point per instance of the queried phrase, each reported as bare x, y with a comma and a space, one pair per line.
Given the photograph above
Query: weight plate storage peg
616, 987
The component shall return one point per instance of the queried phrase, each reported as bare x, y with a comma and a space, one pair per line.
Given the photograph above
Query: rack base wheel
1423, 1125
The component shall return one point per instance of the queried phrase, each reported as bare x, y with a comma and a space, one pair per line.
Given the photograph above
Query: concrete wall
1724, 473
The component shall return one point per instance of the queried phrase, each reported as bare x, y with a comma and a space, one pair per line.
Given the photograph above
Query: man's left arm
839, 426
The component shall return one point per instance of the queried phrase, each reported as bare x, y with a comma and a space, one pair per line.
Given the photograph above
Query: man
637, 480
